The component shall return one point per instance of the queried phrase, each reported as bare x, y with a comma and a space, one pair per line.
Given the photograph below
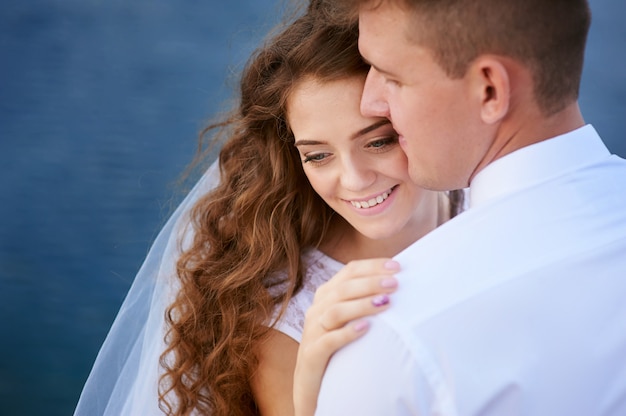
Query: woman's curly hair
250, 231
252, 226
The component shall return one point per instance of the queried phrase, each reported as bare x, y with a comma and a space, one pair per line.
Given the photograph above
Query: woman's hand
335, 319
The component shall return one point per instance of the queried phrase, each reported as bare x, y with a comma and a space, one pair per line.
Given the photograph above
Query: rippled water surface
100, 103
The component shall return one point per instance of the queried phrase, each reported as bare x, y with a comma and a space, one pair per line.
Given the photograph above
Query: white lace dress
320, 268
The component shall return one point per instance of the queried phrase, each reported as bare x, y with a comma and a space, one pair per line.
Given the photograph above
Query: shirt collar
536, 163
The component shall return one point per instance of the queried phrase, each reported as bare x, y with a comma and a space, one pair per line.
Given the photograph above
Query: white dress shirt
515, 307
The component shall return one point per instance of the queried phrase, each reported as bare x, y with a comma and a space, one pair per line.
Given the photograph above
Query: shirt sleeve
383, 373
291, 330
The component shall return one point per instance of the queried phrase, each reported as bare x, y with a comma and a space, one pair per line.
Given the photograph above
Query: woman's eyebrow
359, 133
371, 128
309, 142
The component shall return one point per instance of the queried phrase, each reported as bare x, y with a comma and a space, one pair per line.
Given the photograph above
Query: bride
244, 295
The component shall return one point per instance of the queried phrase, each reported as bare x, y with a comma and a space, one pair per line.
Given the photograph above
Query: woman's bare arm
272, 384
360, 289
289, 375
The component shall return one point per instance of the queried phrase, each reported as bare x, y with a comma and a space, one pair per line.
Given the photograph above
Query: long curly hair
250, 231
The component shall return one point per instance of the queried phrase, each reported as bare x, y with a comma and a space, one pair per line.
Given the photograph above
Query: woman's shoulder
319, 269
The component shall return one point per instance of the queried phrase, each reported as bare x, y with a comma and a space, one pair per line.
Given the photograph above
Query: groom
518, 305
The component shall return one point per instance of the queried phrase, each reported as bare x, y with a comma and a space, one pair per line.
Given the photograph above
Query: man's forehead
383, 25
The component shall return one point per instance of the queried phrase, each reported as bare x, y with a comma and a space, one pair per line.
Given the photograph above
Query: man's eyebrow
382, 71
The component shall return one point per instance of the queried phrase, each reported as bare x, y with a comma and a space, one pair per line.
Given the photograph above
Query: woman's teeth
372, 202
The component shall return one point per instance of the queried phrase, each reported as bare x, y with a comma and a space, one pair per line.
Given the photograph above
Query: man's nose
373, 102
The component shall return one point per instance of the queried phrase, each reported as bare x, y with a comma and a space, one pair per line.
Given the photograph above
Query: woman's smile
371, 202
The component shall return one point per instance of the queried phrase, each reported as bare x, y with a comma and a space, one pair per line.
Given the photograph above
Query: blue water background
100, 105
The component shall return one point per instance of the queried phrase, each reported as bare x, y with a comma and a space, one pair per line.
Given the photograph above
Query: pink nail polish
389, 282
392, 265
361, 326
380, 300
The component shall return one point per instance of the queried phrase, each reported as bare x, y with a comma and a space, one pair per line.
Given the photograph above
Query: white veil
124, 378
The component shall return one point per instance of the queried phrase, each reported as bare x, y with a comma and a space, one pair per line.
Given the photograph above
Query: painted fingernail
392, 265
388, 282
361, 326
380, 300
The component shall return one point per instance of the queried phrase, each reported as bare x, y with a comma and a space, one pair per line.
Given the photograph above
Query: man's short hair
547, 36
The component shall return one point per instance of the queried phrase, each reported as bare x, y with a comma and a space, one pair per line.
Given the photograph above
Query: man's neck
521, 130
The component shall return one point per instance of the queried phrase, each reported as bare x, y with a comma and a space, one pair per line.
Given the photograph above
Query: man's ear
491, 83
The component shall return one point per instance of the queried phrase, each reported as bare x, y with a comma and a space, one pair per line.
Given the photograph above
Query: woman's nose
357, 175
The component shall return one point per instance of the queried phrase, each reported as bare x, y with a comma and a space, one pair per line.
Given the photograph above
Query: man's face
437, 118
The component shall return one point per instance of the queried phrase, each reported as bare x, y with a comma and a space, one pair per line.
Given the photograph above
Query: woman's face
354, 162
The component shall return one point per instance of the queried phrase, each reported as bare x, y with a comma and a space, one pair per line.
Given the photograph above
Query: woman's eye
382, 142
315, 158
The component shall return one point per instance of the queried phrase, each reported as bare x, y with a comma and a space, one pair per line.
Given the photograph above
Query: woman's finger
339, 314
338, 291
368, 267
